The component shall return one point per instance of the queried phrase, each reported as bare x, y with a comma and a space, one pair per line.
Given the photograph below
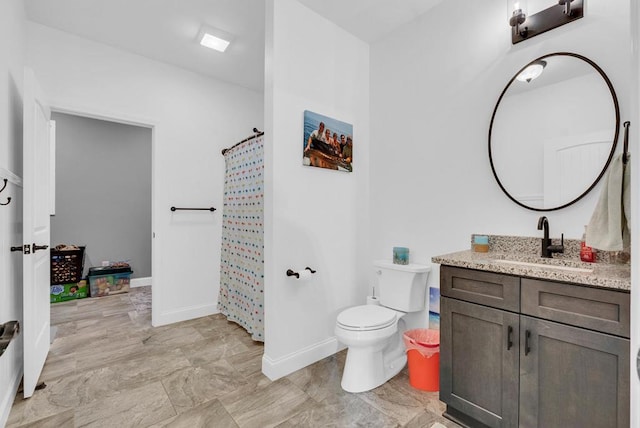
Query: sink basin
543, 266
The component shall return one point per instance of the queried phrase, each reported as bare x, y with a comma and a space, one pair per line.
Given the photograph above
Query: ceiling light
213, 42
214, 39
532, 71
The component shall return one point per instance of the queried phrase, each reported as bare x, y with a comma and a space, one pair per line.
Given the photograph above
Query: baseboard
7, 401
140, 282
276, 368
182, 314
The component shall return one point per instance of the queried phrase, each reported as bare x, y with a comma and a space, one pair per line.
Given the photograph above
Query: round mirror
553, 131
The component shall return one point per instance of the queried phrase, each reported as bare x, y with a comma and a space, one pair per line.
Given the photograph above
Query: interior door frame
144, 123
635, 221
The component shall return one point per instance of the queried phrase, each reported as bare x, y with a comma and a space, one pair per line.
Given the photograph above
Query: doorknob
39, 247
8, 331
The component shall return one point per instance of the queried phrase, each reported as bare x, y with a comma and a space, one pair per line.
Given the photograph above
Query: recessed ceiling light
214, 42
214, 39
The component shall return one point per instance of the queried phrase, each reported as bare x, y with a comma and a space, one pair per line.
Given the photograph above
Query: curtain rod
257, 134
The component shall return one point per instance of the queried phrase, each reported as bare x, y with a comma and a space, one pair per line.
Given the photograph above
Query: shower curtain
241, 295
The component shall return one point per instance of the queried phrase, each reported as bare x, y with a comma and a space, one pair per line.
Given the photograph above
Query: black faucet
547, 248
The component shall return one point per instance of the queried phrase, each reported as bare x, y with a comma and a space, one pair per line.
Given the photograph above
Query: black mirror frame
615, 137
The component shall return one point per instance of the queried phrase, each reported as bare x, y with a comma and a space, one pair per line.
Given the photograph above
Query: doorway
103, 192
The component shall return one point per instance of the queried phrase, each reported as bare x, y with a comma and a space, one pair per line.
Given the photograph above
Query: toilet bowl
373, 334
375, 355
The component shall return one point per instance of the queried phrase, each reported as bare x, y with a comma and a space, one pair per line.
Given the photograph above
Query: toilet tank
402, 287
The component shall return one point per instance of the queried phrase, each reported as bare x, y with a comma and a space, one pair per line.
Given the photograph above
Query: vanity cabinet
530, 353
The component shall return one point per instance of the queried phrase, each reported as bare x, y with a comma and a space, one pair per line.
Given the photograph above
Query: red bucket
423, 357
424, 372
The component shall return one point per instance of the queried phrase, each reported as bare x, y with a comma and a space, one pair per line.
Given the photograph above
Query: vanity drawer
597, 309
485, 288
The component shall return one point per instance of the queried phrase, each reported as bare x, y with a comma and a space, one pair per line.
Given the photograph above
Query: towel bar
193, 209
625, 151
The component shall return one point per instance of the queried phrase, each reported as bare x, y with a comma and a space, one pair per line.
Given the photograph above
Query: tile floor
109, 368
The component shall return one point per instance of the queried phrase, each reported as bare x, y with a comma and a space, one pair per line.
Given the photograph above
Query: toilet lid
366, 317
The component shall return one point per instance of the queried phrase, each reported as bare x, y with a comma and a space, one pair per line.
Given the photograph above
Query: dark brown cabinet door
479, 362
572, 377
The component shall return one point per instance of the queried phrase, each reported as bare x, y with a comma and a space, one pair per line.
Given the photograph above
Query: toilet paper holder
291, 272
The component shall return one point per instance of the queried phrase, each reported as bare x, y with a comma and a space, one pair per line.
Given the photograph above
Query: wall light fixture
526, 26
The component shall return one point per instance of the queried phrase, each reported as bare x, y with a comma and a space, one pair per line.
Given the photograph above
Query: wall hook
4, 186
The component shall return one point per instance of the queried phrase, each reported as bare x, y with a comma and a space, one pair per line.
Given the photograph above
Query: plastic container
66, 265
423, 357
104, 281
586, 253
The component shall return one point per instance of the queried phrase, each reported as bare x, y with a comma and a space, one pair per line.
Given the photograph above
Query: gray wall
103, 190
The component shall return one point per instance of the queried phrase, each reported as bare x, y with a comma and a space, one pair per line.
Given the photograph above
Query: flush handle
8, 331
527, 345
509, 337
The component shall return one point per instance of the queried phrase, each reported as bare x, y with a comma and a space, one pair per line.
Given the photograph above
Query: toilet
373, 334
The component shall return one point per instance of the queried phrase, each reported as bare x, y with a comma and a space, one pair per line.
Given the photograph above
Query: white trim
183, 314
7, 401
52, 167
634, 417
92, 113
140, 282
275, 369
10, 176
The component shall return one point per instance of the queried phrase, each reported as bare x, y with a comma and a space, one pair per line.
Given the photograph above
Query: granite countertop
520, 260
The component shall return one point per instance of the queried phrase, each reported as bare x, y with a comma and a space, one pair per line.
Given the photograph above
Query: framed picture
327, 142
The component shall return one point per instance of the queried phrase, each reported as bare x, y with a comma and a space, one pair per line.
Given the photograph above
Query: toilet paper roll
373, 300
305, 275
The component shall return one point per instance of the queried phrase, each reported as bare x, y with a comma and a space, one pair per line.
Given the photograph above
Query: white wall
313, 217
193, 118
103, 191
12, 28
434, 84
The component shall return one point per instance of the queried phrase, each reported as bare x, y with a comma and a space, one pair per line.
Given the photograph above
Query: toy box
104, 281
70, 291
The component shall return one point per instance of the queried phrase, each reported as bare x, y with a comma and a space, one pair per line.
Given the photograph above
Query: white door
36, 221
571, 164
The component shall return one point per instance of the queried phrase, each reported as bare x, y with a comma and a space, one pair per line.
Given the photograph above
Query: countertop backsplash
531, 246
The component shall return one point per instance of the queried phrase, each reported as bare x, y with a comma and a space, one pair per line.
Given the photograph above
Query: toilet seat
366, 318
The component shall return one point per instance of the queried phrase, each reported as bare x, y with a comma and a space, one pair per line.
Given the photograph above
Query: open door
36, 233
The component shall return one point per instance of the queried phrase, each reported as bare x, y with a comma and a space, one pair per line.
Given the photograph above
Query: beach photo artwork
327, 142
